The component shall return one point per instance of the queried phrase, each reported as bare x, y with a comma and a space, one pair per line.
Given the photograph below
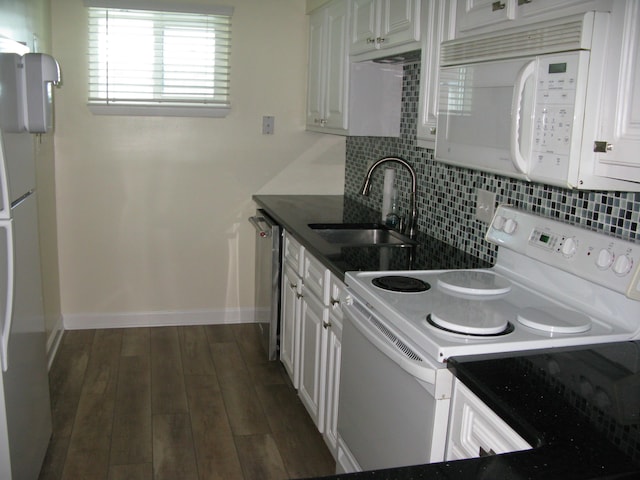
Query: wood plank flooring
169, 403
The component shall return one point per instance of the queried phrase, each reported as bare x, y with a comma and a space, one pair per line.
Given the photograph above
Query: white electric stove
553, 285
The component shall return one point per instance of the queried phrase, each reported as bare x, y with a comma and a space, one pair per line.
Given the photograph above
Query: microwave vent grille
560, 37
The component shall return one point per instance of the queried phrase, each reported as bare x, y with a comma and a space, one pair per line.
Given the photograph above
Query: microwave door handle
516, 155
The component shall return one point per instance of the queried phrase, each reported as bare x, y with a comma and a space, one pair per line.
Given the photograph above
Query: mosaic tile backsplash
447, 194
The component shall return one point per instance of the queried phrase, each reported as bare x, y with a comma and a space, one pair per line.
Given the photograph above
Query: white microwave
521, 102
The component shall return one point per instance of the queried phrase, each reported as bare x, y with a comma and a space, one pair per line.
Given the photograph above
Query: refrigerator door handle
8, 311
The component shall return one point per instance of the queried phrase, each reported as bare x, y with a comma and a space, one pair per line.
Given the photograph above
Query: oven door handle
388, 343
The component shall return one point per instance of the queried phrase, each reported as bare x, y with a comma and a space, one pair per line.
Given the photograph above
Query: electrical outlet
268, 125
485, 205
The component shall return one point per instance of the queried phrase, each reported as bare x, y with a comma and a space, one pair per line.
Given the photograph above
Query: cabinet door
290, 323
619, 128
475, 430
440, 26
364, 26
312, 358
333, 357
474, 14
337, 80
316, 73
399, 22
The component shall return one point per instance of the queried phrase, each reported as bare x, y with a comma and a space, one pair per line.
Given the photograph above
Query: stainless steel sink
360, 234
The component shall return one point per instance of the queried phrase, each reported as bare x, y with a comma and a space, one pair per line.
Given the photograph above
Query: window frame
155, 107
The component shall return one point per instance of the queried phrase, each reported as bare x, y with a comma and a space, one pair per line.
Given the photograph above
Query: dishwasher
267, 281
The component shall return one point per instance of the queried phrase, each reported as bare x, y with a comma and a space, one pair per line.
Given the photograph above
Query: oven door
394, 401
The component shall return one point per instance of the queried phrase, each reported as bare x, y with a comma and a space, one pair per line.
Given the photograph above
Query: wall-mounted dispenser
28, 103
41, 71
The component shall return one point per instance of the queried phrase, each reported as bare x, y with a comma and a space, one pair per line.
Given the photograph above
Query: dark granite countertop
541, 395
296, 212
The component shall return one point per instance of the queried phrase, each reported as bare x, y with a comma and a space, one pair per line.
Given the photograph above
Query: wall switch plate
268, 125
485, 205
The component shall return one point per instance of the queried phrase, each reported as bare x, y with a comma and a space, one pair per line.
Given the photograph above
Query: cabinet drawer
292, 253
475, 430
315, 278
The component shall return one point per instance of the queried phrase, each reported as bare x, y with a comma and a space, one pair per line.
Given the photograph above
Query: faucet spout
366, 187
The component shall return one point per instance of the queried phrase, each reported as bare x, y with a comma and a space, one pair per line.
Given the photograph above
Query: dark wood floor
169, 403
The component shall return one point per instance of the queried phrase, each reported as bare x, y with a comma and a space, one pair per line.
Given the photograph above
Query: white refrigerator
25, 412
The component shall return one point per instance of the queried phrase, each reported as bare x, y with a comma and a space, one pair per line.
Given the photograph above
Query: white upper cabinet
475, 14
617, 141
478, 16
328, 67
392, 25
346, 98
439, 22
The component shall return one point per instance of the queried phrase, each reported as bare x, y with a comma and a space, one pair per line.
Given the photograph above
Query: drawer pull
334, 301
326, 324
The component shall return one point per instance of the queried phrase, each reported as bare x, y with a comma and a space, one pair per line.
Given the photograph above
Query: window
143, 61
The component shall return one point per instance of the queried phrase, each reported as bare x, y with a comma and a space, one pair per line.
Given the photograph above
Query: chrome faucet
366, 187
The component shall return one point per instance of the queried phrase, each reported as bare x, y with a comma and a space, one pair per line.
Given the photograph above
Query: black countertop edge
296, 212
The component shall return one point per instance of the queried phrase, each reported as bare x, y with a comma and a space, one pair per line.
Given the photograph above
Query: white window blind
158, 62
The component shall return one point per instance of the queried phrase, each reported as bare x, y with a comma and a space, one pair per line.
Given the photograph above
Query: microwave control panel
553, 115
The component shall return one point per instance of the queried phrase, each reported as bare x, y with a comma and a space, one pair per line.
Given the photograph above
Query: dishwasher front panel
267, 281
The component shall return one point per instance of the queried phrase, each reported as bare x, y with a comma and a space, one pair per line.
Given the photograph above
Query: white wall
152, 212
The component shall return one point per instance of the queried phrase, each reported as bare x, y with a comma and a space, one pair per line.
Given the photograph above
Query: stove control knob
605, 259
498, 222
622, 265
510, 226
569, 247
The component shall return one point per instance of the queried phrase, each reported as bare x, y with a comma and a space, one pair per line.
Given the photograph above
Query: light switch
268, 124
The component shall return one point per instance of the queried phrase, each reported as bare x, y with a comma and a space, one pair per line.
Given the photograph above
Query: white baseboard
158, 319
53, 341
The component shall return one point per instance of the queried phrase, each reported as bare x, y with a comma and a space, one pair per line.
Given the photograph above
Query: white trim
80, 321
159, 110
53, 342
161, 7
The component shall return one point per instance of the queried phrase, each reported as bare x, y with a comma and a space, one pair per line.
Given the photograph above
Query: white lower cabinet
312, 356
475, 430
290, 322
311, 335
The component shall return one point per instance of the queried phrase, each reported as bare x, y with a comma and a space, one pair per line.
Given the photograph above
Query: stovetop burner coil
508, 329
400, 283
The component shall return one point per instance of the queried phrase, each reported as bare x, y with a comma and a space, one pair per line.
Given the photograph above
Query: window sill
160, 110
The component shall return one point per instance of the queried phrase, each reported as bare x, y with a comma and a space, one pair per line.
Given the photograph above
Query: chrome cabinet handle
326, 325
371, 40
299, 295
293, 286
602, 147
498, 6
334, 301
380, 40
